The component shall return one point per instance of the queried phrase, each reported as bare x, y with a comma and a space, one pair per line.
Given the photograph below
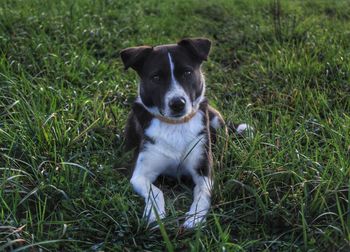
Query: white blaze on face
175, 90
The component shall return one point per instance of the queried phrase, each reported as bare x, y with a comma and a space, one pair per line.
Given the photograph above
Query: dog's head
172, 84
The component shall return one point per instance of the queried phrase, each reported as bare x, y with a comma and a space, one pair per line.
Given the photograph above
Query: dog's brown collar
184, 119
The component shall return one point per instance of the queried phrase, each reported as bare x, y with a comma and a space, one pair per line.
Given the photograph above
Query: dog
171, 126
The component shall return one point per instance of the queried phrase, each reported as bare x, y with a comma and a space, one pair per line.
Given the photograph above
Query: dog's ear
198, 47
134, 57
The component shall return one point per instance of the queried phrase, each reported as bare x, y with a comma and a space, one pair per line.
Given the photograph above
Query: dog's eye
187, 74
155, 78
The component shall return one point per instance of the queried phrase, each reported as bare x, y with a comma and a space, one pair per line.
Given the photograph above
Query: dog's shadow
177, 191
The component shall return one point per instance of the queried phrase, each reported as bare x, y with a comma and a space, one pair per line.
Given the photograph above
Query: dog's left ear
198, 47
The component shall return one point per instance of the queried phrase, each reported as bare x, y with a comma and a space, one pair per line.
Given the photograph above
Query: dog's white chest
176, 141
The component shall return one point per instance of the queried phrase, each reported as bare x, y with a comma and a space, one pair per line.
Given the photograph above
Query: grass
282, 66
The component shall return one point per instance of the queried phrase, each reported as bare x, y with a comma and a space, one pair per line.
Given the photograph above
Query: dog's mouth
174, 116
178, 115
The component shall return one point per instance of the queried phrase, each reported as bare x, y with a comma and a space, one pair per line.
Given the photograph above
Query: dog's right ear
134, 57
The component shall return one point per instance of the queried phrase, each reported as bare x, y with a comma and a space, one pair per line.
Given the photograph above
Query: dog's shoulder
138, 120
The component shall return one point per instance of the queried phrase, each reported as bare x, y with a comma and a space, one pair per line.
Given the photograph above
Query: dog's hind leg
216, 122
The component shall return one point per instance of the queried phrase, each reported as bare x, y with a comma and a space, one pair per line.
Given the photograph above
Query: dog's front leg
144, 175
154, 199
201, 202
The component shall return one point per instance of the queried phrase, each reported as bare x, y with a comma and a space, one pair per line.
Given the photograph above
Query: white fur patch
244, 128
176, 150
176, 141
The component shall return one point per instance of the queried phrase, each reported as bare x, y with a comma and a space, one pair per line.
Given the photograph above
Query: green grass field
282, 66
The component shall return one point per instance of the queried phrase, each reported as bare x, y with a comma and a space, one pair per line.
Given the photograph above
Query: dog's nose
177, 104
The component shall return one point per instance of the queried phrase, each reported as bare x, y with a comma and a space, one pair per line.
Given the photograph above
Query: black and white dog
171, 125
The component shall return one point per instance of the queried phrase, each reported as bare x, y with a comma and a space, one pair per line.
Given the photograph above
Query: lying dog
171, 125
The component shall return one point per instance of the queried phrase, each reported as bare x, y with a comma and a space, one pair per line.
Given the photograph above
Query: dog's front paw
152, 217
150, 214
193, 221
